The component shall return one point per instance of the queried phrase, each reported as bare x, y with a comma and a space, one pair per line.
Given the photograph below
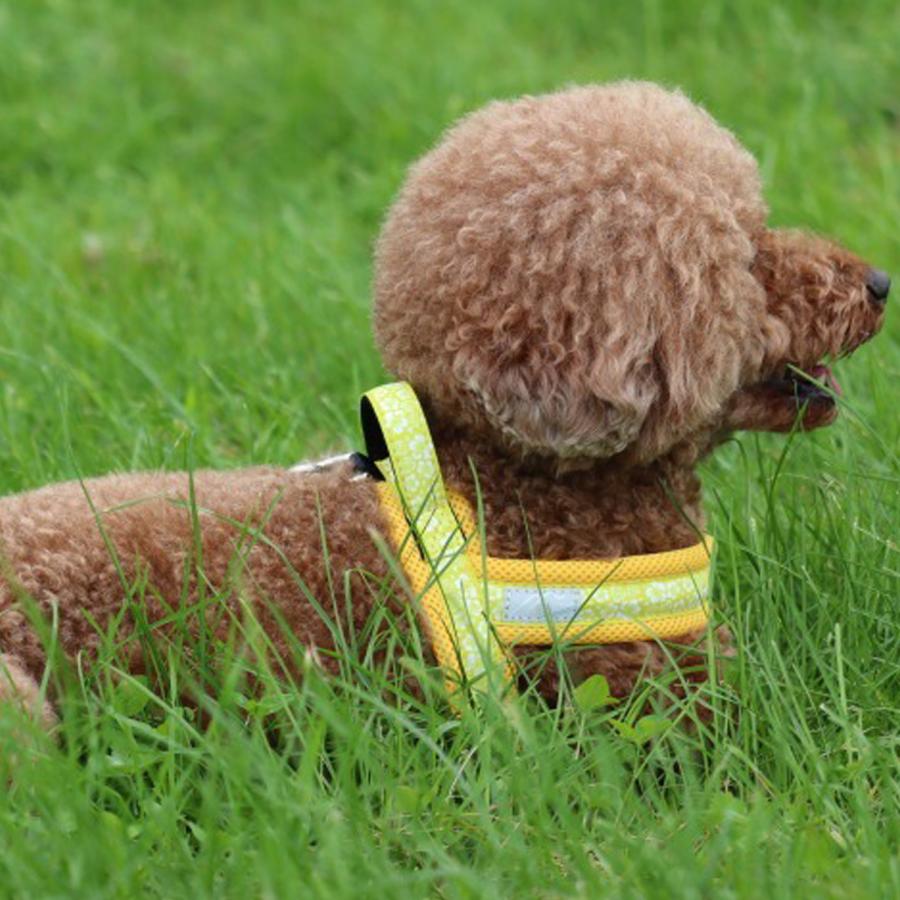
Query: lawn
190, 193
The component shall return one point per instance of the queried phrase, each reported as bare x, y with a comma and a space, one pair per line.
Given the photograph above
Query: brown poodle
582, 290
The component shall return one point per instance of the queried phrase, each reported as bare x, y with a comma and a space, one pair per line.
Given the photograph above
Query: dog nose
879, 285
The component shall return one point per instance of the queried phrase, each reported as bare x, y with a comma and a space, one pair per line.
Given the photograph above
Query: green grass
190, 192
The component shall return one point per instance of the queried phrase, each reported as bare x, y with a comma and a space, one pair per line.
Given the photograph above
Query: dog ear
537, 352
582, 398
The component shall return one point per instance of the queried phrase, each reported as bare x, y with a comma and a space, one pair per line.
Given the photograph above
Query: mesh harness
474, 606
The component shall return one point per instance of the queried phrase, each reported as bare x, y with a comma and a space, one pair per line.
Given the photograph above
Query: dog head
588, 274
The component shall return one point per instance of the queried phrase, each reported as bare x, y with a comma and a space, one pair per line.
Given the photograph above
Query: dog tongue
824, 374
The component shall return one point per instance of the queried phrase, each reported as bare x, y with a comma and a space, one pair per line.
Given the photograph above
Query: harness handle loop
396, 433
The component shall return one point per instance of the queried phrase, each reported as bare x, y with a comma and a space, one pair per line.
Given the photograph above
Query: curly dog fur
583, 291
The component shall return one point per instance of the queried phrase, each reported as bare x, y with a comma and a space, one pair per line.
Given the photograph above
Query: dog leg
18, 687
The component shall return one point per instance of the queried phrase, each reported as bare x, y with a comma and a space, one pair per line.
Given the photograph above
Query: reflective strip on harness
474, 605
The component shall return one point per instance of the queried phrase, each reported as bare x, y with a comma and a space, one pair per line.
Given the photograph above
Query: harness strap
398, 440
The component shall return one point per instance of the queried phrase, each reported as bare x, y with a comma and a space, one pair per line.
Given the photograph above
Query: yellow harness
474, 605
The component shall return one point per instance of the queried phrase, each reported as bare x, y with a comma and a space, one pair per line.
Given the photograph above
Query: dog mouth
814, 388
815, 383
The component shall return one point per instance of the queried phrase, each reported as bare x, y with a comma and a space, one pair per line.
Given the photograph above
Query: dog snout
878, 284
